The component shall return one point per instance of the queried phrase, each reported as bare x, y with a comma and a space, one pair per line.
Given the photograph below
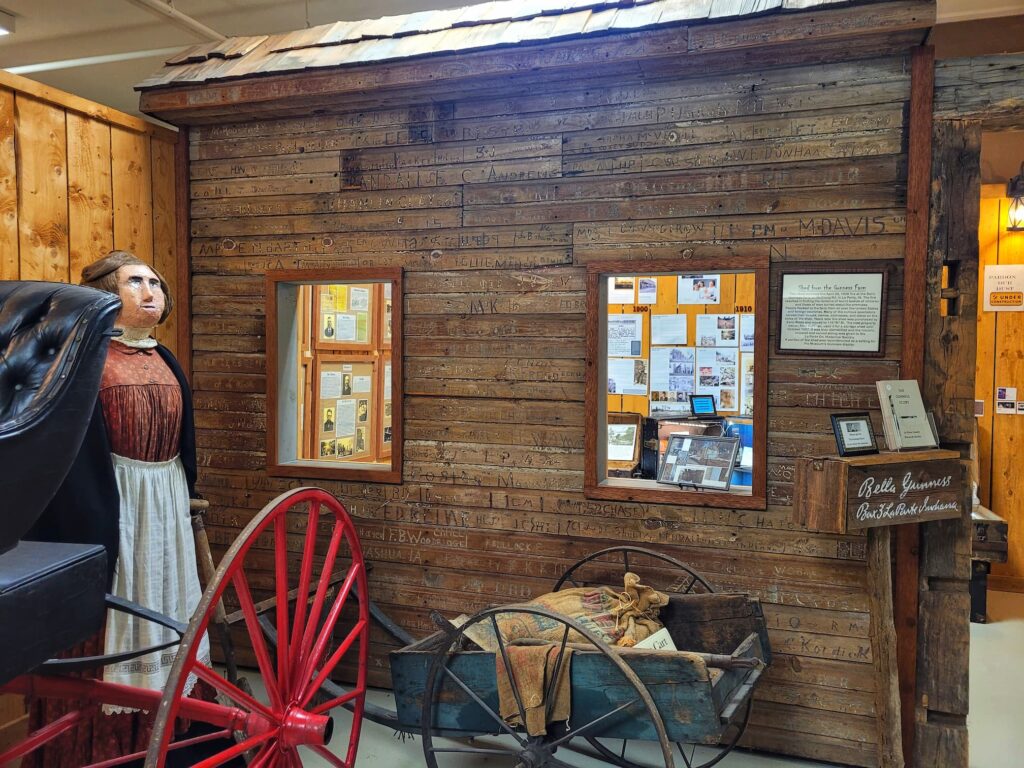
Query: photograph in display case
699, 461
854, 434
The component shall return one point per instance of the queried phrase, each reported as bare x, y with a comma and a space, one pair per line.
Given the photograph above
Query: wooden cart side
715, 623
690, 697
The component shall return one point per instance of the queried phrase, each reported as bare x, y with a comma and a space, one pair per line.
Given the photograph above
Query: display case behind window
680, 359
332, 340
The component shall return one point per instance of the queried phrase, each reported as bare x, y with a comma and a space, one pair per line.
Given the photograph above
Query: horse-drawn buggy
296, 578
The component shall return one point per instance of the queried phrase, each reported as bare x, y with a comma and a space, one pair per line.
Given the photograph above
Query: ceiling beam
182, 20
89, 61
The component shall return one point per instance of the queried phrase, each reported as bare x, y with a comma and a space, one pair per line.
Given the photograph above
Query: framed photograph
699, 461
854, 434
823, 312
622, 442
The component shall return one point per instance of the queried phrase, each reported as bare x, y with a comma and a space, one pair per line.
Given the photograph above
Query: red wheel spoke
265, 755
321, 594
311, 637
358, 632
225, 734
237, 749
41, 737
233, 692
281, 574
339, 701
330, 757
305, 576
327, 630
259, 644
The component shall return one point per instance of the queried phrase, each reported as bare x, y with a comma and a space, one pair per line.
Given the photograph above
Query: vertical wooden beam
940, 736
951, 342
951, 312
919, 161
183, 253
165, 232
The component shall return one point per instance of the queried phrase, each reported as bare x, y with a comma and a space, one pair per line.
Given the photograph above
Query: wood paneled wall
1000, 340
78, 179
493, 206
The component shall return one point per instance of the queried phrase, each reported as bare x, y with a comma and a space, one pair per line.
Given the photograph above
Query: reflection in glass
678, 362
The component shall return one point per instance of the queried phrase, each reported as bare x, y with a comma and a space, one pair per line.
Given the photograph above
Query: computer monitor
703, 405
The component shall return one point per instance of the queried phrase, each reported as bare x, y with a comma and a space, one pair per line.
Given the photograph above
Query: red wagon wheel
313, 638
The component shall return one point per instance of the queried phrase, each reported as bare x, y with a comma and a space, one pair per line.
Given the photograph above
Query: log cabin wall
78, 179
494, 205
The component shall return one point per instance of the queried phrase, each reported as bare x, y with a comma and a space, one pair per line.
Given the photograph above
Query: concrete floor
997, 681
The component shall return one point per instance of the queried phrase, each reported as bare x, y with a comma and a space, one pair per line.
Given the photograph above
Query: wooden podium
848, 494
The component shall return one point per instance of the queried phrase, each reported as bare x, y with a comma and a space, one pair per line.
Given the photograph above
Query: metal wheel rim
272, 751
739, 729
625, 551
452, 639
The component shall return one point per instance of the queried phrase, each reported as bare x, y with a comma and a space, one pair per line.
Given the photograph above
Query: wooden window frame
627, 489
324, 470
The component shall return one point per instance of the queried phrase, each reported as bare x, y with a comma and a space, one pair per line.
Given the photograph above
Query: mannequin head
145, 299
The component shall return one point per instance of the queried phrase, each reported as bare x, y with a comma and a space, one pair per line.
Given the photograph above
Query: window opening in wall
334, 362
676, 401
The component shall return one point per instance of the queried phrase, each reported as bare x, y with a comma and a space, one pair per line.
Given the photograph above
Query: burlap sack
616, 618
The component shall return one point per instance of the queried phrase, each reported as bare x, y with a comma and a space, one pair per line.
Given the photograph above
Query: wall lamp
6, 22
1015, 191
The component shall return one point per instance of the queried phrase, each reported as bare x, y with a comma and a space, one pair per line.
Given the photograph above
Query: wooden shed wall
78, 179
494, 206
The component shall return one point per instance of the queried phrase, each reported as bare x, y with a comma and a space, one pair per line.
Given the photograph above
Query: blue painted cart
446, 687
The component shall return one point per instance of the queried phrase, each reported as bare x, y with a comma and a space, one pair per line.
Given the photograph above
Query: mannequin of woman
129, 490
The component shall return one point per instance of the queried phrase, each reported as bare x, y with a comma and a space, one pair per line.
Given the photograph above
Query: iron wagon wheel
677, 578
455, 674
313, 639
688, 752
593, 568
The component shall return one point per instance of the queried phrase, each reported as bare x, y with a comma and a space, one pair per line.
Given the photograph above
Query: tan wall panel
56, 206
90, 201
133, 192
1000, 339
9, 266
42, 190
165, 229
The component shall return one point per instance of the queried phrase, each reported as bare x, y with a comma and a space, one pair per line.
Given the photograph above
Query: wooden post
912, 362
951, 330
183, 213
883, 649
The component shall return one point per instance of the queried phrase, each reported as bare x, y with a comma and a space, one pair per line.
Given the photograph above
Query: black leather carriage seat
53, 343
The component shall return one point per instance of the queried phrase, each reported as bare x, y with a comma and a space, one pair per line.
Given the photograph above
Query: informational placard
668, 329
1004, 288
625, 335
825, 312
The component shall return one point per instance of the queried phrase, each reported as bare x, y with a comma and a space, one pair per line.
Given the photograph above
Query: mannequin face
142, 298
